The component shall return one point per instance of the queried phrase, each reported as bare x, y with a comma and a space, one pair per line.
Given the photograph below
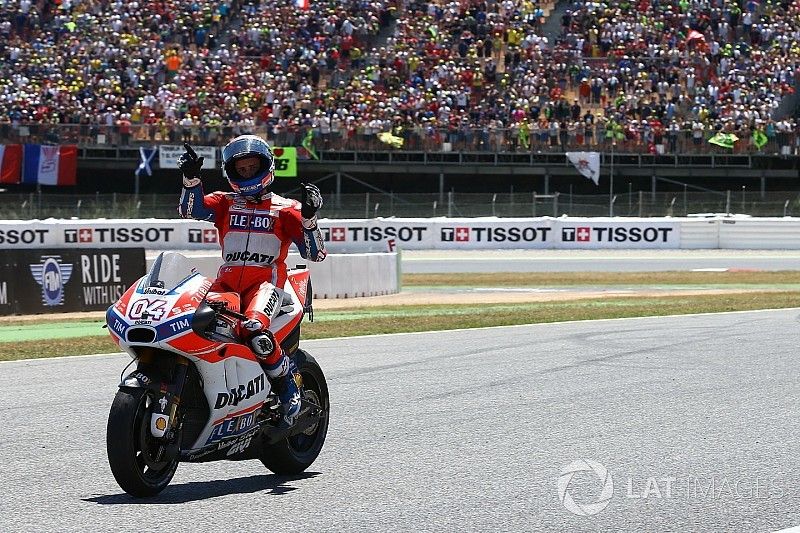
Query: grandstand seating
647, 76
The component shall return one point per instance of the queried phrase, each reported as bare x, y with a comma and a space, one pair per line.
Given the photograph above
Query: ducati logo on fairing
52, 276
243, 392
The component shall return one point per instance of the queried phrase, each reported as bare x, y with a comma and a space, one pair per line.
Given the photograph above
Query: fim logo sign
52, 276
591, 508
579, 234
204, 236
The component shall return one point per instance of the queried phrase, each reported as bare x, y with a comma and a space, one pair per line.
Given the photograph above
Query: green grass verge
10, 351
399, 319
593, 279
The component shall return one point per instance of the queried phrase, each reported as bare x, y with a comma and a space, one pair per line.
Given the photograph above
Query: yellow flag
393, 140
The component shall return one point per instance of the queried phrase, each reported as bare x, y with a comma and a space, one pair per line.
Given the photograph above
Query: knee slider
263, 344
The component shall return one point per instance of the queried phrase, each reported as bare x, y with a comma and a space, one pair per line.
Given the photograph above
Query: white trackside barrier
490, 233
386, 234
339, 276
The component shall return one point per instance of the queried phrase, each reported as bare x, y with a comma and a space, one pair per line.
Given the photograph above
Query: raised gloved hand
310, 200
190, 166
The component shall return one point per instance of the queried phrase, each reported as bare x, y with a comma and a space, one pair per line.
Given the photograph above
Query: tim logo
460, 234
82, 235
52, 276
579, 234
203, 236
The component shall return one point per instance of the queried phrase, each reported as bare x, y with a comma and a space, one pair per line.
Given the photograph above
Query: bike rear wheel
296, 453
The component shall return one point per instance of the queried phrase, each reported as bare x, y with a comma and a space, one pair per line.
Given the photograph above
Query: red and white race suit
255, 236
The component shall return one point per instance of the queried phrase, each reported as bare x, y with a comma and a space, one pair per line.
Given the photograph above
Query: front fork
164, 414
166, 391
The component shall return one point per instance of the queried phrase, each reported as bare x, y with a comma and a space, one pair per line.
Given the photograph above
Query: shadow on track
202, 490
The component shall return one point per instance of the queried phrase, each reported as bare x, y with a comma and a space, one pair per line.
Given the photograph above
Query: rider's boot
281, 372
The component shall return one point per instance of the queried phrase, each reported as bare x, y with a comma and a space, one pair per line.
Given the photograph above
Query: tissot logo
460, 234
114, 235
374, 234
82, 235
25, 236
621, 234
337, 234
494, 234
579, 234
205, 236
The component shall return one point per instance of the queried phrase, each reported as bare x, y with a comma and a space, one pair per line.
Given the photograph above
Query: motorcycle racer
256, 228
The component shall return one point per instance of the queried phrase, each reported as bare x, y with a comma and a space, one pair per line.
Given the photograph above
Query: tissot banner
151, 234
491, 233
586, 233
359, 235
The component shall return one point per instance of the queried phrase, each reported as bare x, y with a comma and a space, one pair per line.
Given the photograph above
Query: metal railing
370, 205
532, 159
416, 139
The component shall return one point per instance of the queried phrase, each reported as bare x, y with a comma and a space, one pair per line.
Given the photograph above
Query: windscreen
169, 270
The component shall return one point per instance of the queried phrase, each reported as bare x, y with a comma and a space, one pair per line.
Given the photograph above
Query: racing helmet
243, 147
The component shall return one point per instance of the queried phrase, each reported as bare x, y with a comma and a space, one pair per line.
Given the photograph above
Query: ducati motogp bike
198, 393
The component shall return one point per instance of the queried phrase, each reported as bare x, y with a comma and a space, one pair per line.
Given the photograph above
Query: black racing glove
310, 200
190, 165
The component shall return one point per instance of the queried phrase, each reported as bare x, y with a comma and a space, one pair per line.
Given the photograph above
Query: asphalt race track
456, 431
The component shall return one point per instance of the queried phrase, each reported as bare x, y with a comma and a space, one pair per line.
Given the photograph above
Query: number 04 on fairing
197, 393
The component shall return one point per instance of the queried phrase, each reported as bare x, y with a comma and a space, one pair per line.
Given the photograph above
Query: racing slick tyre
139, 464
294, 454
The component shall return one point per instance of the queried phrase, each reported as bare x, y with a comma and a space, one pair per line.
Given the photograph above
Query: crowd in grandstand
647, 75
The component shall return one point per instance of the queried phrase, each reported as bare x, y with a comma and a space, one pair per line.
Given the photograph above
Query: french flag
50, 165
303, 4
10, 163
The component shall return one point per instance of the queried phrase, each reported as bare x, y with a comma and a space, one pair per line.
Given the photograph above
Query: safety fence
27, 206
642, 137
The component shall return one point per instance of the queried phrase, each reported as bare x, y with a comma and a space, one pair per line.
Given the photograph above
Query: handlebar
222, 308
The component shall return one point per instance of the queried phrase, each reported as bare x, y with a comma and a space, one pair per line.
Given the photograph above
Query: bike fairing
231, 426
170, 316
